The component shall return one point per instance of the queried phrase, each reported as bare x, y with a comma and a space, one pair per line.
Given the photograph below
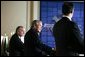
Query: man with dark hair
33, 45
67, 34
16, 46
67, 8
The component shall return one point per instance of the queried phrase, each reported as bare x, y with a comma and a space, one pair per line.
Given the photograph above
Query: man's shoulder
29, 31
72, 23
14, 36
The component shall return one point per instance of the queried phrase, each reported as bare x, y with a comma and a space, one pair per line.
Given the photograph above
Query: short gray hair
34, 23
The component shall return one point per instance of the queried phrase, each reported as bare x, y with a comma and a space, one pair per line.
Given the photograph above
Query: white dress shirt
21, 38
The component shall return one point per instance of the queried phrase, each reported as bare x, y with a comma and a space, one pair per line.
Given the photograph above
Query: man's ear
34, 26
72, 11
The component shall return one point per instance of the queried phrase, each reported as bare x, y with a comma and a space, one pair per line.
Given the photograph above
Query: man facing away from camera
67, 34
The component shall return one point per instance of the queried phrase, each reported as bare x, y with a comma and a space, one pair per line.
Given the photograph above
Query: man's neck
68, 16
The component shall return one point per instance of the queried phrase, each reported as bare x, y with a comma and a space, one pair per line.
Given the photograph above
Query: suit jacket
33, 46
16, 46
67, 37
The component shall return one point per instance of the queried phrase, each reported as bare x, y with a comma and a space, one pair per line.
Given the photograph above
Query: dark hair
18, 28
67, 8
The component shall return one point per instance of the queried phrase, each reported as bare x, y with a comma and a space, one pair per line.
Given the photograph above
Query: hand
54, 49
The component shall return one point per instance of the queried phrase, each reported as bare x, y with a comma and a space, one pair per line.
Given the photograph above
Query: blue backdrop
51, 12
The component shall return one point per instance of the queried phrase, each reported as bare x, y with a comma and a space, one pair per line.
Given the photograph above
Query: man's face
21, 31
39, 26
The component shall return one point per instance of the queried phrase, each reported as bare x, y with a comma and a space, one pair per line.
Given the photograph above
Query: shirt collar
21, 38
68, 17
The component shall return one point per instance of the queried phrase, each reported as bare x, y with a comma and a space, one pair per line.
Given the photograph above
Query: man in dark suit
67, 34
16, 46
33, 46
